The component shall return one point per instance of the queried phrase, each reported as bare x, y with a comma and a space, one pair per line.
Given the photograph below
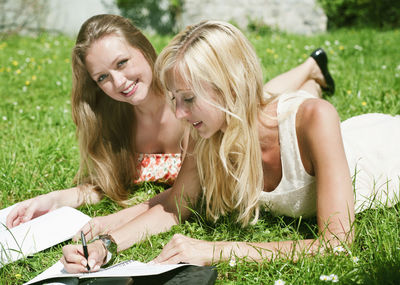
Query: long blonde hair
229, 163
105, 127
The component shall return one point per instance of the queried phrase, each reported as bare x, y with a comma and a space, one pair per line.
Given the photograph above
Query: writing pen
85, 252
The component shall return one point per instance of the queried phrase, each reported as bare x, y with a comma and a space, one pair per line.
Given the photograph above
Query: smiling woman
122, 118
120, 70
125, 127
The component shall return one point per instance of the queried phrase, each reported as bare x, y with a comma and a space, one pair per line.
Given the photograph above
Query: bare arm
322, 152
160, 214
37, 206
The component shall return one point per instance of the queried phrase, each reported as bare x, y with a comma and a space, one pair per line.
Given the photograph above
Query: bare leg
295, 79
312, 87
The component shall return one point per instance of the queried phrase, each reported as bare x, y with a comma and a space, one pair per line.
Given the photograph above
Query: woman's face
119, 69
203, 116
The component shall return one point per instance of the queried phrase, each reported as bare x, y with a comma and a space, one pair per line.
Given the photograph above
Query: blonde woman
127, 132
250, 150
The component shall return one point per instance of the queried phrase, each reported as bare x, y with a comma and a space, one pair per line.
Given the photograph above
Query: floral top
160, 167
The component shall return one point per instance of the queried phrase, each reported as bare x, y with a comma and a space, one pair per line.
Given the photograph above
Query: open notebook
38, 234
57, 275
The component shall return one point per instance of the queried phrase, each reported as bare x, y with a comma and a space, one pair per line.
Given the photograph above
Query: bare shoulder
316, 113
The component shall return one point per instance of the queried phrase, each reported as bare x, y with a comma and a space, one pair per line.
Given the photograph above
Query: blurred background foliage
362, 13
158, 15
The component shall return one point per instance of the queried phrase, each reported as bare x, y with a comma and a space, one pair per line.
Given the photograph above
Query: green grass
39, 153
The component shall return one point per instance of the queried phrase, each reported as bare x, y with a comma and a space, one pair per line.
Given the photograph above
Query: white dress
372, 146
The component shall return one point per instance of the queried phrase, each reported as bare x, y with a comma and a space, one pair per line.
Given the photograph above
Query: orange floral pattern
160, 167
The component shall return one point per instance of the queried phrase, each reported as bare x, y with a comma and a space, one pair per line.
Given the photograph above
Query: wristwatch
110, 246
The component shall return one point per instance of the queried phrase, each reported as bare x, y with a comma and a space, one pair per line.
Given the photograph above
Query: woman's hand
75, 262
96, 226
188, 250
30, 209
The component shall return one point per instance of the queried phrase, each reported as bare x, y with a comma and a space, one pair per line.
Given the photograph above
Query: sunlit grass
39, 153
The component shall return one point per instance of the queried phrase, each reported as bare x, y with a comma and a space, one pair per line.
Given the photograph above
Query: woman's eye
101, 78
189, 100
122, 62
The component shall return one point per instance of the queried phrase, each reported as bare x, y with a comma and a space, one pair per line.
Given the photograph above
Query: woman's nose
181, 111
119, 79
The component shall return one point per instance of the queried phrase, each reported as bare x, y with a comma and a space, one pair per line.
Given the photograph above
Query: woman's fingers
91, 229
14, 218
73, 259
174, 252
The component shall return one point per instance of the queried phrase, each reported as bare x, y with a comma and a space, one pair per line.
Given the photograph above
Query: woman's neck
152, 106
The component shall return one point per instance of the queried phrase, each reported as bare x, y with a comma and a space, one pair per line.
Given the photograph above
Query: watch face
106, 240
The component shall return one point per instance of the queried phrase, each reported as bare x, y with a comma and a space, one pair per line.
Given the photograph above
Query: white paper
38, 234
128, 268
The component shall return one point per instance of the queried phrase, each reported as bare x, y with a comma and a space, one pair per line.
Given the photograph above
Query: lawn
39, 153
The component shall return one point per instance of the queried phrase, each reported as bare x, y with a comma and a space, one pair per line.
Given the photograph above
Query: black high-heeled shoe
321, 58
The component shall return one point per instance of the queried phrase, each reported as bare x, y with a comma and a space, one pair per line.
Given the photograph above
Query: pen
85, 252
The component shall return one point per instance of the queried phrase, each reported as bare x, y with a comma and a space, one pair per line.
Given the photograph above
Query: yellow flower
364, 103
14, 62
341, 47
27, 82
18, 71
66, 60
34, 77
8, 69
348, 92
276, 56
2, 69
18, 276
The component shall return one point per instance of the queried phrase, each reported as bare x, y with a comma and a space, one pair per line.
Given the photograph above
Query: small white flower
325, 278
65, 111
398, 67
15, 103
21, 52
384, 66
144, 11
336, 42
334, 278
306, 47
32, 117
327, 43
396, 75
37, 107
58, 83
355, 259
338, 249
4, 118
28, 59
51, 108
357, 47
21, 111
279, 282
232, 262
165, 18
24, 89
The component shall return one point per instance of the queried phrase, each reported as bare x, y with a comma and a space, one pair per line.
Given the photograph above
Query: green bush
362, 13
157, 15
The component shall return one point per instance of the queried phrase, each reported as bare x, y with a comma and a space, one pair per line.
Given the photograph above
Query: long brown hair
105, 127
